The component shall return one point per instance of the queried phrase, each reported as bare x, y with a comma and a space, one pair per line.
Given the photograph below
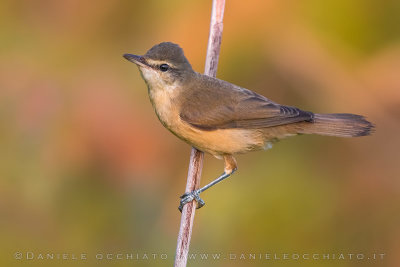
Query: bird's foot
189, 197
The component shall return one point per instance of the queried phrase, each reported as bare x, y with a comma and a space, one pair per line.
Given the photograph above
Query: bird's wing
221, 105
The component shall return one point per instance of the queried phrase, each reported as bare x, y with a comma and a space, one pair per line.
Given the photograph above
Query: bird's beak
138, 60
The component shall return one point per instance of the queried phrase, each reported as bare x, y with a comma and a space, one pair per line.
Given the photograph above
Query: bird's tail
339, 124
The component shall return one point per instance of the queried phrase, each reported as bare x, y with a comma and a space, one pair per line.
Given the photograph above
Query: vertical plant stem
196, 156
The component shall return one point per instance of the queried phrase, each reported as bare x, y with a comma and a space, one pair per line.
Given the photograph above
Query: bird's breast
165, 105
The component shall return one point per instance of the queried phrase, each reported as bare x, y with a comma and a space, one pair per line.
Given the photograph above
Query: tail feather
339, 124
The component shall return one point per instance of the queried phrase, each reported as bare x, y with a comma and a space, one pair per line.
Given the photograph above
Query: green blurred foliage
372, 23
85, 167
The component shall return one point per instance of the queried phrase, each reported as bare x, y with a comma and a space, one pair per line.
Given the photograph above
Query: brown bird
224, 119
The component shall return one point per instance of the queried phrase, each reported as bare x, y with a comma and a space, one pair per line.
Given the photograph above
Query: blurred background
85, 166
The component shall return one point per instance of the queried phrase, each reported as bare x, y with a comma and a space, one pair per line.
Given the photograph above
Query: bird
224, 119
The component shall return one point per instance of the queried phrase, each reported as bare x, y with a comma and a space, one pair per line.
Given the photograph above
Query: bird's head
163, 65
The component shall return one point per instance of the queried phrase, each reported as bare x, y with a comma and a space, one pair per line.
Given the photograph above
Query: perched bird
224, 119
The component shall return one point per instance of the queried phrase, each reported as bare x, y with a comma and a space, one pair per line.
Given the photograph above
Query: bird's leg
230, 168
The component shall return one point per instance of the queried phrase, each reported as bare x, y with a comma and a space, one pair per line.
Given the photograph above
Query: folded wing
221, 105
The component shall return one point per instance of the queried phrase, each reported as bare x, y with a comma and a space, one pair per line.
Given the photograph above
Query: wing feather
221, 105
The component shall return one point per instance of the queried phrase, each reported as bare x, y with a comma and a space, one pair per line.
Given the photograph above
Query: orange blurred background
85, 166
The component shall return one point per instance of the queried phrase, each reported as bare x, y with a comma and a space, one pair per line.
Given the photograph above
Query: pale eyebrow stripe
159, 62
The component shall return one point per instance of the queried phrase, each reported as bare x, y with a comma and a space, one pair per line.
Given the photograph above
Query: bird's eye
164, 67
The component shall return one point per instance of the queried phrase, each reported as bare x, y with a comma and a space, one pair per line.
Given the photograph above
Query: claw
194, 195
189, 197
